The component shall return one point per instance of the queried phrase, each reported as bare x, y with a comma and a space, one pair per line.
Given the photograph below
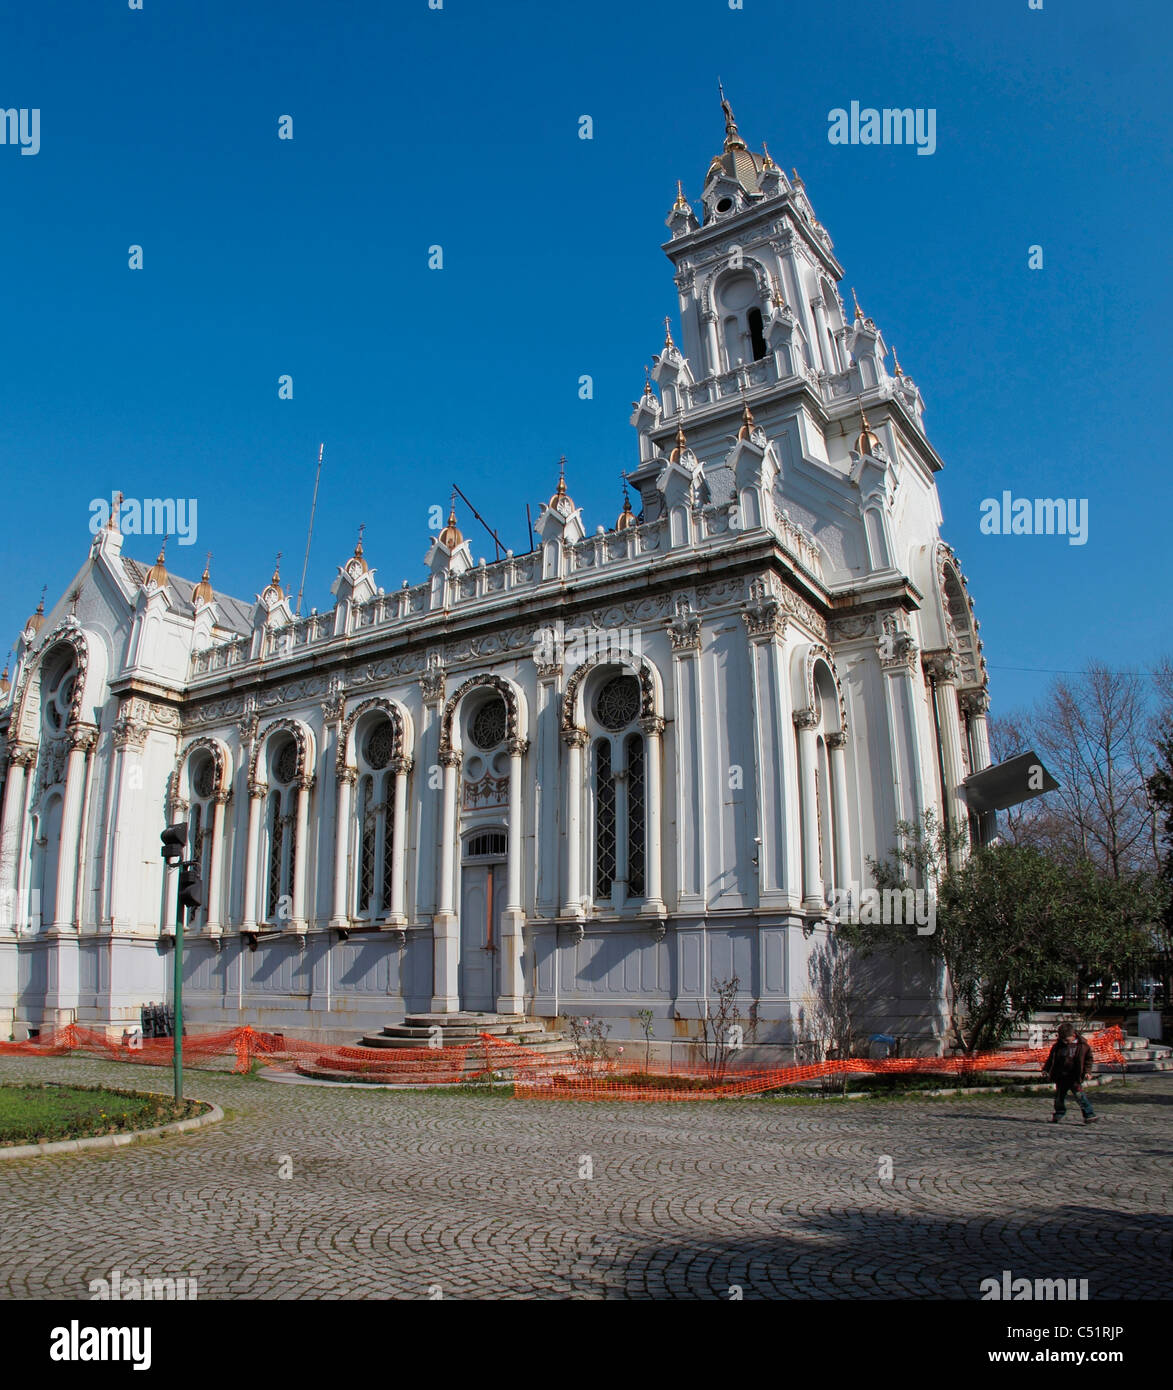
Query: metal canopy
1008, 783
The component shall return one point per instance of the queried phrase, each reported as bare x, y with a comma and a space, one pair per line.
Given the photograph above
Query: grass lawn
47, 1113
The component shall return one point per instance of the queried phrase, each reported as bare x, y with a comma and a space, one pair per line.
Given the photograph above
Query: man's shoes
1090, 1119
1055, 1119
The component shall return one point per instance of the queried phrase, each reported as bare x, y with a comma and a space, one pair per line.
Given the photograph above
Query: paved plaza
418, 1195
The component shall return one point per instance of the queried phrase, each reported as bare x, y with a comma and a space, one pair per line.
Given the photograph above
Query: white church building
593, 778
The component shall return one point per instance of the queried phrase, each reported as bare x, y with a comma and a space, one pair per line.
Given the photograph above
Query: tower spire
733, 140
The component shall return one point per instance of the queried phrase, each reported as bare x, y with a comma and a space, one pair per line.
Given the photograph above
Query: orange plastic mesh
541, 1075
535, 1074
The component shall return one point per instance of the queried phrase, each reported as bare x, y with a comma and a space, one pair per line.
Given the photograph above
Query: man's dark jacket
1058, 1068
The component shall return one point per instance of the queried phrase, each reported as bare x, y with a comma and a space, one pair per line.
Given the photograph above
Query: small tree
722, 1032
589, 1036
645, 1020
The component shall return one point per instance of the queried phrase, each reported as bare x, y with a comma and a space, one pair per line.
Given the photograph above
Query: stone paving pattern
395, 1193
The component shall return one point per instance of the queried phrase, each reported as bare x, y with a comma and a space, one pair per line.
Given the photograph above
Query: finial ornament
681, 201
866, 443
747, 420
157, 574
767, 163
276, 580
732, 134
561, 477
668, 332
202, 593
115, 522
899, 369
855, 301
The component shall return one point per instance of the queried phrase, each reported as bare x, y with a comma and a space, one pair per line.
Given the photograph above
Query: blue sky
460, 127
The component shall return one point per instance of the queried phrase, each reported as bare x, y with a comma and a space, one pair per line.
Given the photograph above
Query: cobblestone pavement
403, 1194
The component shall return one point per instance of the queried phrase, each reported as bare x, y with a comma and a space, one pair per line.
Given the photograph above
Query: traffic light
191, 886
174, 841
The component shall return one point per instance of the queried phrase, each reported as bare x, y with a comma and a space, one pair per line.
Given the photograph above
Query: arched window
619, 791
281, 825
757, 337
201, 772
741, 317
375, 813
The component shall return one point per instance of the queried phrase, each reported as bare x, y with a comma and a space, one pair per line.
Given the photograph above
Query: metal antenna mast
309, 537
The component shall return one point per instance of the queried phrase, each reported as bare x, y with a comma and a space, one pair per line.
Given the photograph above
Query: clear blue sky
460, 127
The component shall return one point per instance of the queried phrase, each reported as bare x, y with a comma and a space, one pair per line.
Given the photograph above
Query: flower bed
48, 1113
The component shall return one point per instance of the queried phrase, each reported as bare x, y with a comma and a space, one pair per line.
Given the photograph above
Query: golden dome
157, 574
203, 592
736, 160
866, 442
358, 555
37, 621
561, 500
626, 518
450, 536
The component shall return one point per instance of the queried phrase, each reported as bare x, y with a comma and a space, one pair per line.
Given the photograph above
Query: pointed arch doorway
482, 899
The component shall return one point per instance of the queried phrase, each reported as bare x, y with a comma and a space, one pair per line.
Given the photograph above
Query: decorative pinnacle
668, 332
681, 201
276, 580
358, 543
561, 491
113, 523
767, 163
733, 138
896, 360
855, 301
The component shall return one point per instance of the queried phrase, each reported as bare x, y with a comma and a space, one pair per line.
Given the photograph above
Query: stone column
806, 721
511, 999
773, 781
900, 661
396, 916
837, 758
256, 797
216, 864
576, 741
941, 668
688, 734
446, 922
302, 855
653, 731
340, 917
21, 760
81, 740
976, 704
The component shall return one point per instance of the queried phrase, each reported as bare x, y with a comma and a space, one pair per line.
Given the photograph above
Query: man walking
1068, 1065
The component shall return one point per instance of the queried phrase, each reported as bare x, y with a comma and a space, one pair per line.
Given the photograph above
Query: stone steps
1140, 1054
465, 1030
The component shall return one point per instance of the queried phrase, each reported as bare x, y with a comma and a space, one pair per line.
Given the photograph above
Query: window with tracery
202, 787
375, 821
281, 825
620, 791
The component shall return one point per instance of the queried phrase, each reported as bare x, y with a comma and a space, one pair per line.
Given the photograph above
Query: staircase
1141, 1054
464, 1030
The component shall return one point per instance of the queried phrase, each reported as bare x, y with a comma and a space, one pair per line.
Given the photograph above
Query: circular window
725, 204
380, 745
488, 725
204, 778
285, 764
617, 702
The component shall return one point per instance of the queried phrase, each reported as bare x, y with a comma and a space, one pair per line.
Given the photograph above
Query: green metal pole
177, 1051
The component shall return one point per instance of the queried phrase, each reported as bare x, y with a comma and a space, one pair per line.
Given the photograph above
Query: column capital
940, 665
806, 718
349, 775
517, 747
838, 740
23, 755
974, 701
402, 765
257, 790
223, 796
575, 738
451, 757
81, 737
653, 725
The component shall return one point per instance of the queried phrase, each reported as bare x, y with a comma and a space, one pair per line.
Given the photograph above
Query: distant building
592, 778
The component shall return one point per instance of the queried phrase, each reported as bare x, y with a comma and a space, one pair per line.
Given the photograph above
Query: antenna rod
481, 519
309, 537
529, 521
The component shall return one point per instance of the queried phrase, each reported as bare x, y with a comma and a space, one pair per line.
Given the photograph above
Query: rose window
618, 702
489, 725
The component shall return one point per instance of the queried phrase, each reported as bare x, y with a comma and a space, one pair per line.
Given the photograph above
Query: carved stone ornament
763, 615
684, 631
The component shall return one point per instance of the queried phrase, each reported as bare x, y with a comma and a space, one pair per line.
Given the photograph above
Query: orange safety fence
413, 1065
538, 1075
534, 1074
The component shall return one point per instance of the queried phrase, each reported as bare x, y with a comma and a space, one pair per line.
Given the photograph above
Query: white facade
593, 778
